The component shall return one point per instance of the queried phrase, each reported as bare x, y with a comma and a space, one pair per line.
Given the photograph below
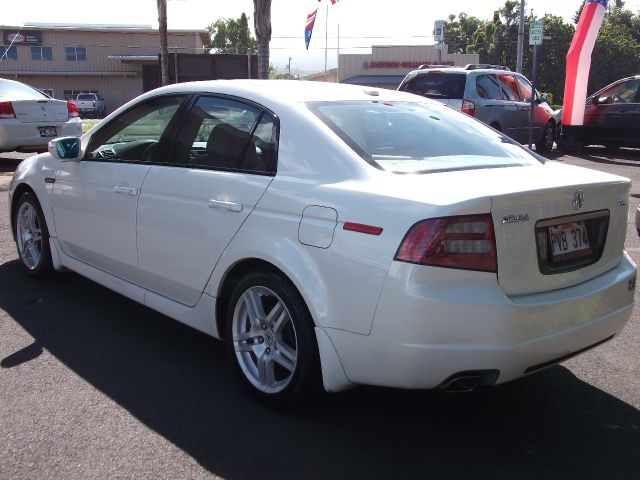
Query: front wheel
32, 236
545, 144
271, 339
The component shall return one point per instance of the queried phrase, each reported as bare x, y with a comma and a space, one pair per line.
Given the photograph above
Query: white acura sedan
29, 118
335, 235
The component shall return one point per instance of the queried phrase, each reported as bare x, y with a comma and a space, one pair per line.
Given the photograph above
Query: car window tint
525, 89
134, 136
487, 86
226, 134
509, 87
407, 137
437, 84
624, 92
19, 91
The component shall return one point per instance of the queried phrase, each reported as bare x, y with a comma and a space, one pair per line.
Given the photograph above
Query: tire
545, 144
271, 339
32, 237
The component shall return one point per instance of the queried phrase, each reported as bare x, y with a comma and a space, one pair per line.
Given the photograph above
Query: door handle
231, 206
126, 190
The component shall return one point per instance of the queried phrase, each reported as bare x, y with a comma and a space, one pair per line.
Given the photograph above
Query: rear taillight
72, 109
6, 110
464, 242
468, 107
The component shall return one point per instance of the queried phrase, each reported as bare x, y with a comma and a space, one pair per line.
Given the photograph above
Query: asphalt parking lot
93, 385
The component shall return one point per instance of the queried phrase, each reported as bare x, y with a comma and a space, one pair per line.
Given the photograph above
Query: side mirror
66, 148
602, 100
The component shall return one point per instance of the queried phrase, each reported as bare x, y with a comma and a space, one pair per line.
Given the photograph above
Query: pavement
93, 385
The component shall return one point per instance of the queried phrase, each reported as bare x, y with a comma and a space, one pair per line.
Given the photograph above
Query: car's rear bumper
426, 331
15, 135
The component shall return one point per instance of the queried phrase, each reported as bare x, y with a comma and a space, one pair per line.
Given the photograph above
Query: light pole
289, 67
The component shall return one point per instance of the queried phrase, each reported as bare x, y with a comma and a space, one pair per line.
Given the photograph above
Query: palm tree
262, 26
164, 49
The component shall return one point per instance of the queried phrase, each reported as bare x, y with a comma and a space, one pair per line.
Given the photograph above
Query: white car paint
378, 321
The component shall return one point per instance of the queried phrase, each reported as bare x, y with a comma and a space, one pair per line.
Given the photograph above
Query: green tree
616, 55
459, 32
230, 35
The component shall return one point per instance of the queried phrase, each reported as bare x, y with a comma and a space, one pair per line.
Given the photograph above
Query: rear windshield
439, 85
19, 91
408, 137
86, 96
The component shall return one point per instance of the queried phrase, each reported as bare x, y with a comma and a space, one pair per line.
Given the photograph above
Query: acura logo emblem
578, 200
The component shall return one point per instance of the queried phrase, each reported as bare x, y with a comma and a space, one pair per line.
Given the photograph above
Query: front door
223, 160
95, 200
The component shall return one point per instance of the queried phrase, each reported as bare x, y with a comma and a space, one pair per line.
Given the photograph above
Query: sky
361, 23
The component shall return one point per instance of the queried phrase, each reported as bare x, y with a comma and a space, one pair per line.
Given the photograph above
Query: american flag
311, 20
579, 61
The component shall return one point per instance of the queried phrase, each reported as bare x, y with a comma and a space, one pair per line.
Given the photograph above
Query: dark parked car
612, 115
495, 95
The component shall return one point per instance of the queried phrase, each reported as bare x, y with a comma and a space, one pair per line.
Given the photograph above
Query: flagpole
338, 59
326, 39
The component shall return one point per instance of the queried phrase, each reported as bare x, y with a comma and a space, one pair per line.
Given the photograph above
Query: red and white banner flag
579, 61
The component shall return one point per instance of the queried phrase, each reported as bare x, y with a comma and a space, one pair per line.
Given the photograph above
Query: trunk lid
40, 111
583, 212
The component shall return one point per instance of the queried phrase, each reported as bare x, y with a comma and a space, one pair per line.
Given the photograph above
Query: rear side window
413, 137
225, 134
437, 84
487, 86
86, 96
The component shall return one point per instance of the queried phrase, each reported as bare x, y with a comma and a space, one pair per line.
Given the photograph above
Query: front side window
8, 53
509, 88
75, 54
41, 53
407, 137
135, 135
624, 92
525, 89
225, 134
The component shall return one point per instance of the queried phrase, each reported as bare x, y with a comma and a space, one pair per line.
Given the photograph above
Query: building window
41, 53
75, 54
10, 53
47, 91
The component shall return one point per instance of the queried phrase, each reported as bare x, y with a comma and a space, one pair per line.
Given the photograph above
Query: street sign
438, 31
535, 32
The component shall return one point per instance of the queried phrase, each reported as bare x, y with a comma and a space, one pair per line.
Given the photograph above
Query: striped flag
308, 30
579, 61
311, 20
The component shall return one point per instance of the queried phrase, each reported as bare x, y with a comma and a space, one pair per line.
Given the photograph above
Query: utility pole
164, 49
289, 67
520, 55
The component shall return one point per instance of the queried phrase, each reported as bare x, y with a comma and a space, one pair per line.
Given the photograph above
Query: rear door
491, 108
223, 160
515, 114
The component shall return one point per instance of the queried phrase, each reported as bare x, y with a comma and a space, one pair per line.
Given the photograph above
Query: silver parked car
495, 95
29, 118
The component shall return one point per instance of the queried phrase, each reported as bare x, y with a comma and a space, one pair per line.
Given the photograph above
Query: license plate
48, 131
569, 240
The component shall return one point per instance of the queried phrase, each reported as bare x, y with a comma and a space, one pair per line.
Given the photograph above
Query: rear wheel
545, 144
32, 236
271, 339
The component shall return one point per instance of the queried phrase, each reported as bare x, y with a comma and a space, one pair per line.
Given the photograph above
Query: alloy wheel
264, 339
29, 235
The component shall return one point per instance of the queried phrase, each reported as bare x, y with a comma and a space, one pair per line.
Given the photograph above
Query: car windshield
407, 137
437, 84
86, 96
19, 91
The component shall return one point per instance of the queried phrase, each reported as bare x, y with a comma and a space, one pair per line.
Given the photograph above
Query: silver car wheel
264, 339
29, 235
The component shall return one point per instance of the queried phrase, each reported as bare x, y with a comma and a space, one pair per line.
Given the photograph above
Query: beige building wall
113, 65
